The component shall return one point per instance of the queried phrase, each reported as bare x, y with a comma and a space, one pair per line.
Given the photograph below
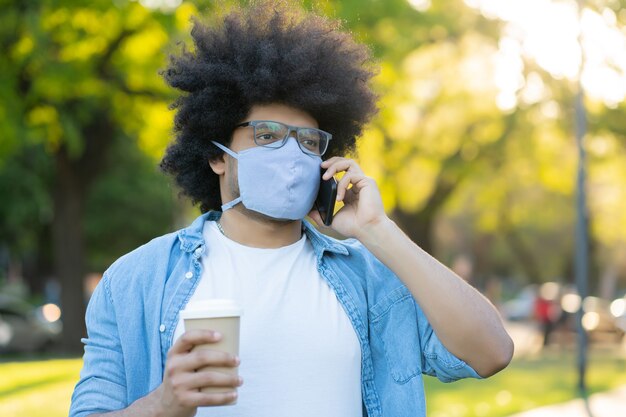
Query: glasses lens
313, 140
270, 133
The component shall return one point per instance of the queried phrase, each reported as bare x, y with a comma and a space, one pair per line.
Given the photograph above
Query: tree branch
103, 62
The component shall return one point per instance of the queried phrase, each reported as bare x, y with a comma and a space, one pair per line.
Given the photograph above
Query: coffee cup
220, 315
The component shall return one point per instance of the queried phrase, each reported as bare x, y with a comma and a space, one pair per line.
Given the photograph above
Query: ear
218, 165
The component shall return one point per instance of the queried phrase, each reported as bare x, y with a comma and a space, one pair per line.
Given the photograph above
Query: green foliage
441, 150
26, 206
78, 76
440, 145
127, 207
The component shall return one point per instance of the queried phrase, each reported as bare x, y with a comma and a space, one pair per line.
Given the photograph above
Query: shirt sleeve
437, 361
102, 384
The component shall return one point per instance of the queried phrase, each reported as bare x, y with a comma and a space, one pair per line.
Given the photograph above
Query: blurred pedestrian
547, 309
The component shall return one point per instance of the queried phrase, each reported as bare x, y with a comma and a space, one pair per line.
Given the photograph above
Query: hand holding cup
194, 376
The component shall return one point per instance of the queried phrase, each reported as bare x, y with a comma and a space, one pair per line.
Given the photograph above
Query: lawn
37, 388
527, 383
42, 388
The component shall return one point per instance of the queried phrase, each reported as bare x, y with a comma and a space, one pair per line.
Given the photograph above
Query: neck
255, 230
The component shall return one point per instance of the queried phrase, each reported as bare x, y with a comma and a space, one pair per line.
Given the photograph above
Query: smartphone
325, 202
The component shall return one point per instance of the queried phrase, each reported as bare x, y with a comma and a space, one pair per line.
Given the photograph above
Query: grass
42, 388
527, 383
37, 388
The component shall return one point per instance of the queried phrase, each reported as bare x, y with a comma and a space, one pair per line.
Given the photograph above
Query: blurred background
474, 149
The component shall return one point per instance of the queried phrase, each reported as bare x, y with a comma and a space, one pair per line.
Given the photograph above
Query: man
330, 328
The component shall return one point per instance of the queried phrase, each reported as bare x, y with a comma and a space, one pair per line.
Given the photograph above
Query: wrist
154, 403
377, 231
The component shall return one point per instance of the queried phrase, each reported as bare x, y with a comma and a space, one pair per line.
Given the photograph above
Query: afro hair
268, 52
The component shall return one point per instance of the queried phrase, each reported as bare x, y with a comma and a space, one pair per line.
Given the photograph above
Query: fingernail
240, 380
217, 335
233, 394
237, 360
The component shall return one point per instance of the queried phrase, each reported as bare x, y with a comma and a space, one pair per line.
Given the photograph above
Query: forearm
463, 319
143, 407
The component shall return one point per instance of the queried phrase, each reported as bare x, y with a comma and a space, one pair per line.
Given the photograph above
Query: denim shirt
133, 313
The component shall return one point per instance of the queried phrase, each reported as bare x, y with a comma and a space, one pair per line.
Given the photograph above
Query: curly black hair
268, 52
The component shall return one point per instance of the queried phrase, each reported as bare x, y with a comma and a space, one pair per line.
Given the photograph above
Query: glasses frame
290, 129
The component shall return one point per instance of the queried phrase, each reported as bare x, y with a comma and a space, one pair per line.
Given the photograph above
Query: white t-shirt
300, 355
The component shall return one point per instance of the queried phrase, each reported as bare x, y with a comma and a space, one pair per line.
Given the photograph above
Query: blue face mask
281, 183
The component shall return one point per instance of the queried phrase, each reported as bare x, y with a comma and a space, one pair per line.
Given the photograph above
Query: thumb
315, 216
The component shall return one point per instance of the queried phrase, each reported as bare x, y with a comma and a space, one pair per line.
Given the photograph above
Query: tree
78, 75
436, 119
447, 143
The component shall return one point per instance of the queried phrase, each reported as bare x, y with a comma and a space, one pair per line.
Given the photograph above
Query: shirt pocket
394, 321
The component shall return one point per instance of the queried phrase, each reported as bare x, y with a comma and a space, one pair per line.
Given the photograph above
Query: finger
192, 338
200, 358
328, 174
315, 216
209, 378
340, 165
352, 194
328, 162
344, 183
202, 399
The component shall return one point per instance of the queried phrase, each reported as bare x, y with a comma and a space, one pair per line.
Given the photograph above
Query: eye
310, 139
310, 143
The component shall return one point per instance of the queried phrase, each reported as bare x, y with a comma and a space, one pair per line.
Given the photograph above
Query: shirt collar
191, 237
322, 243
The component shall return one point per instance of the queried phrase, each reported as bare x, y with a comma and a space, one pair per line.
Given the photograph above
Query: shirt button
162, 328
189, 275
197, 251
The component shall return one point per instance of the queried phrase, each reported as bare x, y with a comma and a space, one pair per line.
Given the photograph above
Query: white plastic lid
211, 308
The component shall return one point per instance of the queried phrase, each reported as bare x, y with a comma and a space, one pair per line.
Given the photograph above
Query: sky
551, 33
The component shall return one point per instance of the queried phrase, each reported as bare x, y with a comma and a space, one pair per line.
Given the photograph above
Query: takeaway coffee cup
219, 315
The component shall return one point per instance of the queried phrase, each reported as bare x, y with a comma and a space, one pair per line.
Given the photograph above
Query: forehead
282, 113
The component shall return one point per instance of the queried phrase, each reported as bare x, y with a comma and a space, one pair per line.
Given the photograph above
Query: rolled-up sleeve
436, 359
102, 384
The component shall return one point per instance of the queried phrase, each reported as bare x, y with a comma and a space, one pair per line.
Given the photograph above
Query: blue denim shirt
133, 312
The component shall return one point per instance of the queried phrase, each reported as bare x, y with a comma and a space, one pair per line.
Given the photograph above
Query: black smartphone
325, 202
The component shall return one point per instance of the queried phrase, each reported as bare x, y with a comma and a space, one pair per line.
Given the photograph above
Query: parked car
27, 328
604, 321
599, 322
521, 307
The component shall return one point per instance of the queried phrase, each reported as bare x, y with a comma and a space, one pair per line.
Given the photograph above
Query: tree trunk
524, 255
482, 274
68, 242
417, 226
38, 266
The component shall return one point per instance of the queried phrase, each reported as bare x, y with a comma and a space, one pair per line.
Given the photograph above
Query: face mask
279, 182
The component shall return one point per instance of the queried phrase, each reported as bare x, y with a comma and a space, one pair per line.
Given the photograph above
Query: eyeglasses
275, 135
